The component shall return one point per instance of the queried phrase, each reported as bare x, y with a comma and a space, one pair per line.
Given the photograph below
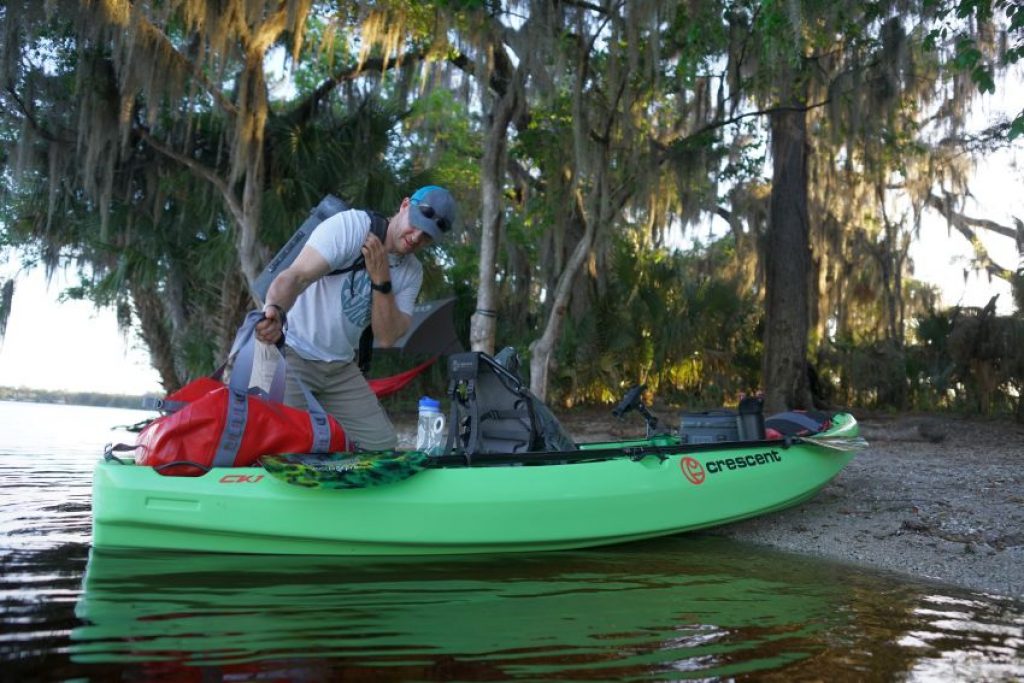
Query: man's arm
387, 320
308, 267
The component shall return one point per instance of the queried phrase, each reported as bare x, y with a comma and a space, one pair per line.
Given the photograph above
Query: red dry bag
212, 424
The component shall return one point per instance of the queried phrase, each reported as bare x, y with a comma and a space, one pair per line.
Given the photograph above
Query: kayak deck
459, 510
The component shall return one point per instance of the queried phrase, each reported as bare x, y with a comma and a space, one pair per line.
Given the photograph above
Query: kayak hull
458, 510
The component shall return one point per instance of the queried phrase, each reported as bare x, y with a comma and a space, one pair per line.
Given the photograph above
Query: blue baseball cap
432, 211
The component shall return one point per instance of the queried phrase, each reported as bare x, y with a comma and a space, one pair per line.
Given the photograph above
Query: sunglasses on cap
428, 212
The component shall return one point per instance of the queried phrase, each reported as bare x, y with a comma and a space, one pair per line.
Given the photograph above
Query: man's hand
376, 259
270, 329
308, 267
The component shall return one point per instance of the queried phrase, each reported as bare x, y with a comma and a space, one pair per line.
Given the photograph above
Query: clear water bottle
430, 433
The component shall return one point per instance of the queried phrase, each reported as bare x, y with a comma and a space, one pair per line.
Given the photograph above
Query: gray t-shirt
330, 315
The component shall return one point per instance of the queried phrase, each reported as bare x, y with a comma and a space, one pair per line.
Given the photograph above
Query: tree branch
500, 76
944, 205
522, 176
306, 110
665, 142
32, 121
201, 170
581, 4
964, 225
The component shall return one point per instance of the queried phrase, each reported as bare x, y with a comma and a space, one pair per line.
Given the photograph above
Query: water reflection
671, 609
972, 645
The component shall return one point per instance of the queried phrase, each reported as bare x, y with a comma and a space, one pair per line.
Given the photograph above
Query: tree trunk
787, 259
249, 251
492, 176
543, 348
156, 334
234, 303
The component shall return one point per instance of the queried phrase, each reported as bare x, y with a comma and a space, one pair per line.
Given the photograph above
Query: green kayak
599, 494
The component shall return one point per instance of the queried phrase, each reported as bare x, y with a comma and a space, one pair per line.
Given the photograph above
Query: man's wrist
383, 287
280, 312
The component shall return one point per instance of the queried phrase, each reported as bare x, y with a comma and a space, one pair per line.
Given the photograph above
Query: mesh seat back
493, 412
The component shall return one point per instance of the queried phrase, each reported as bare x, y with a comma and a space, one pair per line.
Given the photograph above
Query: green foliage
438, 128
697, 33
871, 374
965, 22
959, 359
322, 55
676, 320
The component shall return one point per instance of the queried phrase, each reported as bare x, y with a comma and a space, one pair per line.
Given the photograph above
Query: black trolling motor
633, 400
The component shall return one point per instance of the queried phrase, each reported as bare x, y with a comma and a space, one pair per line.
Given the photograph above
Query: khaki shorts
343, 392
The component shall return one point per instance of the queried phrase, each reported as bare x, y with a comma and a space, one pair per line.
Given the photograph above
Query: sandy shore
935, 497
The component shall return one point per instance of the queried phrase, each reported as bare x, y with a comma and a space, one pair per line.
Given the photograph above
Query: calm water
690, 607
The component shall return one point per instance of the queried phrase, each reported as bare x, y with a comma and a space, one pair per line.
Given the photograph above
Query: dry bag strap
238, 398
318, 420
162, 404
238, 392
234, 429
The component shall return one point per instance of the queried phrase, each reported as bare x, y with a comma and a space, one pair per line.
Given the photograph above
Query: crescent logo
692, 470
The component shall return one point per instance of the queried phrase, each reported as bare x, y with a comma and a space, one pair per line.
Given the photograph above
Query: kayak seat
492, 411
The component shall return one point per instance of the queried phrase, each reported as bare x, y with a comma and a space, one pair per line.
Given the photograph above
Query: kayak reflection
694, 605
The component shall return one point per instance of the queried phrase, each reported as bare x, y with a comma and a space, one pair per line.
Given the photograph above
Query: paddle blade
345, 470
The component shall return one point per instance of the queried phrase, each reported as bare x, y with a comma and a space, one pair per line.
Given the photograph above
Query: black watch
383, 288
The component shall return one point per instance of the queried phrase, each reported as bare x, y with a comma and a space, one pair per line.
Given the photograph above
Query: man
326, 314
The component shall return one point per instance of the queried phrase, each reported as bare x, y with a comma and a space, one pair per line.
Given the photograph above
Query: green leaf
1017, 127
966, 58
982, 77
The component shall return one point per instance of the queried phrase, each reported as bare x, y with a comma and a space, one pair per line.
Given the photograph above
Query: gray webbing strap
276, 392
238, 393
162, 404
318, 419
234, 429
